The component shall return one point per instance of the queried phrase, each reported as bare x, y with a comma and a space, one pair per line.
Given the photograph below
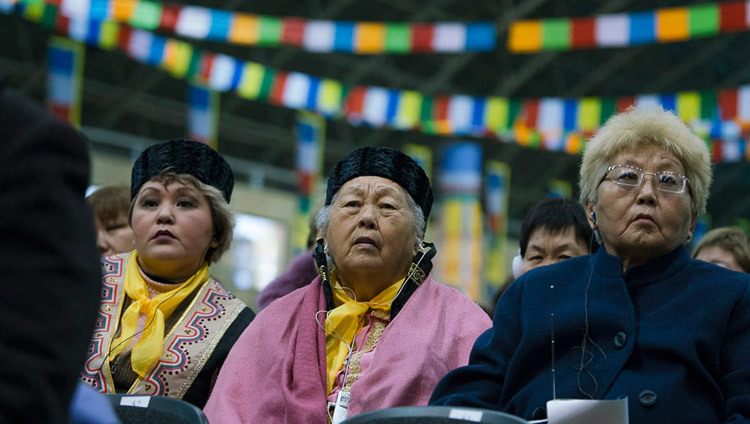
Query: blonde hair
646, 126
731, 239
221, 213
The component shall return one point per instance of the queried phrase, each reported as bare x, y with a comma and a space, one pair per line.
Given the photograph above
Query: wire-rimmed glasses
632, 176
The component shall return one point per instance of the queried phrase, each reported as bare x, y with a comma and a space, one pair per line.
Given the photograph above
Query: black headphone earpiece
593, 217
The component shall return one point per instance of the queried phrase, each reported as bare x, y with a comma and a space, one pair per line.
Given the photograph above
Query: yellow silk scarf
345, 320
157, 309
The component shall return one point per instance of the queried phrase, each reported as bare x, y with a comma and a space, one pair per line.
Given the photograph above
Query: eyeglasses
632, 176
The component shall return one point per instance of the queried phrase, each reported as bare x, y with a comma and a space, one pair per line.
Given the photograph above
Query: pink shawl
275, 373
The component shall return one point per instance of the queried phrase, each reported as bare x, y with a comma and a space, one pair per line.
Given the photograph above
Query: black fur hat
387, 163
184, 157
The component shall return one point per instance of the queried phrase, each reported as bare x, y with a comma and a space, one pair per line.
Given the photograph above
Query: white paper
465, 414
139, 401
585, 411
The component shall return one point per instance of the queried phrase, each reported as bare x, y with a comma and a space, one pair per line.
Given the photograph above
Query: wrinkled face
547, 247
371, 230
114, 236
722, 257
173, 229
640, 223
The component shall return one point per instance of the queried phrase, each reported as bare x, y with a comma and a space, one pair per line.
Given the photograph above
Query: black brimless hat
183, 156
387, 163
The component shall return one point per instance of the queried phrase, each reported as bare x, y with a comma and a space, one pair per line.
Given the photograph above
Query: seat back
155, 410
434, 415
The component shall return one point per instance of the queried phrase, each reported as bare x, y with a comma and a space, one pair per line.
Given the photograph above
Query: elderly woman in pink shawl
373, 330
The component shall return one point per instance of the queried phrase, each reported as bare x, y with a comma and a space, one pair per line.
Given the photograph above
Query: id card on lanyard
341, 409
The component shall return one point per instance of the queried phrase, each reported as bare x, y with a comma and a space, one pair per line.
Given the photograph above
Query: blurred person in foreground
639, 318
554, 229
49, 263
727, 247
110, 205
165, 326
374, 330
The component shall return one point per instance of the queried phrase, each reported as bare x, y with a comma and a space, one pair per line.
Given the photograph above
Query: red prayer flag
623, 103
583, 32
169, 15
277, 88
716, 150
61, 24
355, 101
732, 16
206, 65
293, 31
441, 109
421, 38
123, 37
728, 104
531, 109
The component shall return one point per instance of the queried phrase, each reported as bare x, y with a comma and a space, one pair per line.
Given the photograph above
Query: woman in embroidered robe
165, 326
373, 330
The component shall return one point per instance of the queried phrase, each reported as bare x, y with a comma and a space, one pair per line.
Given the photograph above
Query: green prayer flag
425, 112
708, 104
703, 20
266, 84
147, 15
514, 106
270, 31
608, 108
397, 38
49, 16
194, 64
556, 34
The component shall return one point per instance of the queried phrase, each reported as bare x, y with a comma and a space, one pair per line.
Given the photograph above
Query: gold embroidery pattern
355, 369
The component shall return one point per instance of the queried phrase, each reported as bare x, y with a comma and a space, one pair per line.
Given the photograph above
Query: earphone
517, 265
593, 218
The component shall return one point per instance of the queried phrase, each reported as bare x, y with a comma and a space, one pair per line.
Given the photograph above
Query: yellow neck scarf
345, 320
157, 309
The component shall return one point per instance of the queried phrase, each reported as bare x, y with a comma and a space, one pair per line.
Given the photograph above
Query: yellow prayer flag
443, 127
244, 29
672, 24
122, 10
369, 37
183, 53
252, 78
496, 114
452, 218
169, 57
689, 105
589, 113
329, 96
525, 36
409, 106
573, 143
108, 33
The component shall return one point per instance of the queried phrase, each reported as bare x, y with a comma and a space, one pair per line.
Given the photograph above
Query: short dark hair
556, 214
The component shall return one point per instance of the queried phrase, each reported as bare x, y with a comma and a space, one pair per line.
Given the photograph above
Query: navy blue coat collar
660, 269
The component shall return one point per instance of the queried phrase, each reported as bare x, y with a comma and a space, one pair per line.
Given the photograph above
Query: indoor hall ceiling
122, 95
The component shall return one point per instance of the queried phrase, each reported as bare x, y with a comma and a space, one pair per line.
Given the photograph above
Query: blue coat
672, 335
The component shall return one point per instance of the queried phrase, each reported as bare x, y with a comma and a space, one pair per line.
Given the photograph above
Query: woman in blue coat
638, 319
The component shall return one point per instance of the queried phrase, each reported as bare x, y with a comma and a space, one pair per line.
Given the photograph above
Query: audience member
110, 205
165, 326
639, 318
728, 247
554, 229
373, 330
48, 252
